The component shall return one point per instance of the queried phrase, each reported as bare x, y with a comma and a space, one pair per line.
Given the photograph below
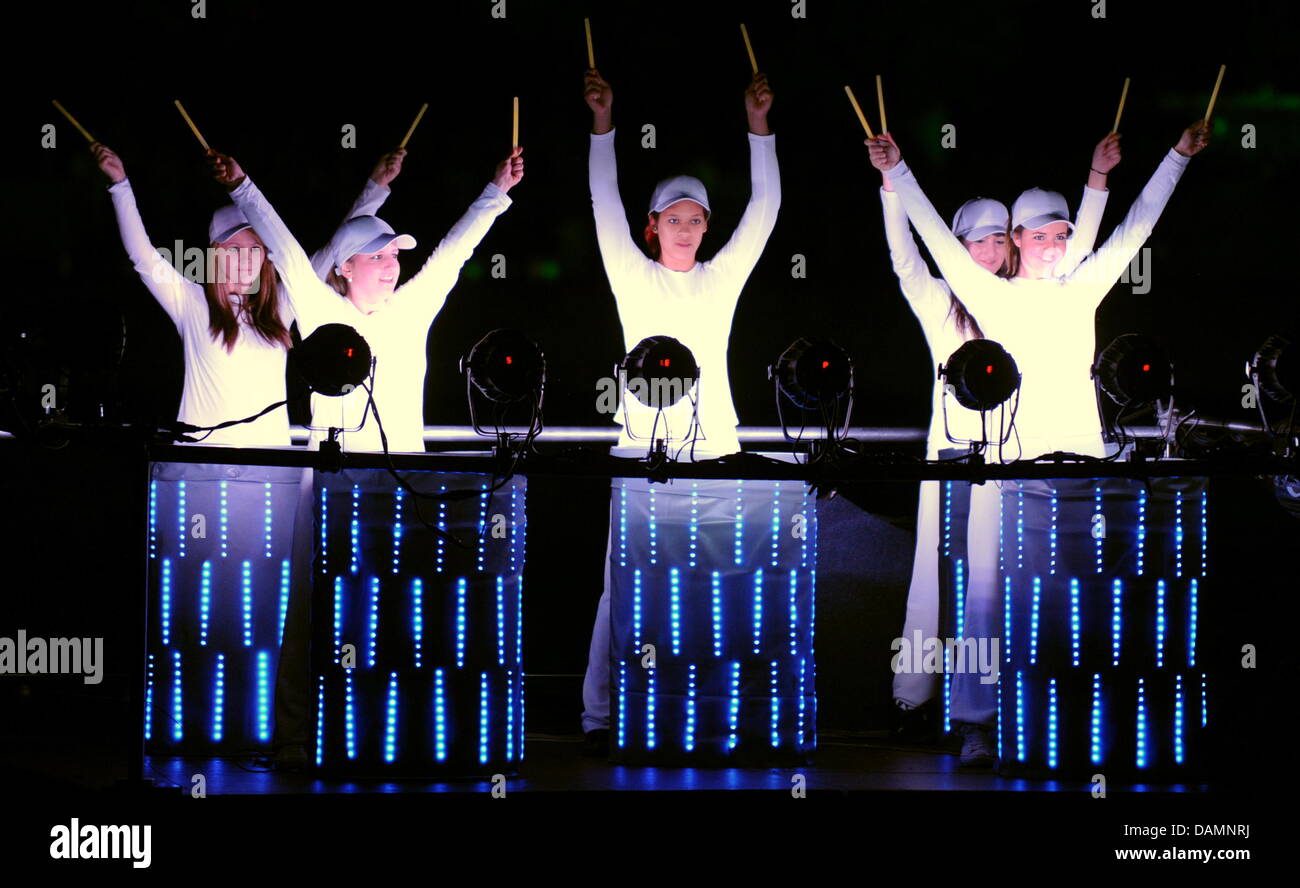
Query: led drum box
1101, 583
219, 545
712, 622
417, 636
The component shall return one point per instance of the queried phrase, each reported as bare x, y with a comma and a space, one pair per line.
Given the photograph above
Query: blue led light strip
356, 526
1033, 621
374, 620
460, 622
1178, 719
205, 601
776, 708
1141, 757
165, 602
1051, 723
246, 584
1116, 619
1020, 715
650, 711
390, 720
675, 609
1051, 538
733, 712
284, 596
267, 515
439, 718
483, 718
501, 620
320, 720
689, 740
737, 546
758, 609
794, 612
960, 576
693, 526
1178, 534
1095, 745
263, 697
219, 699
717, 613
1191, 625
417, 620
224, 513
177, 707
622, 704
1160, 623
654, 530
397, 528
338, 619
1074, 621
180, 511
776, 521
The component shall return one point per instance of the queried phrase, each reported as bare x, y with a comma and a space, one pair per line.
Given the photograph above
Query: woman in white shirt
234, 326
981, 225
670, 293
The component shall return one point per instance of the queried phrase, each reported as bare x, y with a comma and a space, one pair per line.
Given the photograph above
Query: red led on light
988, 368
509, 360
664, 362
825, 364
349, 352
1146, 368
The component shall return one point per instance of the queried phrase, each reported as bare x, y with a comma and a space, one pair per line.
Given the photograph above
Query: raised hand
225, 169
758, 101
598, 93
883, 152
511, 170
388, 167
109, 162
1106, 156
1194, 139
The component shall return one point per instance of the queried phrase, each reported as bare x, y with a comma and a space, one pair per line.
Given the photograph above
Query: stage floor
842, 765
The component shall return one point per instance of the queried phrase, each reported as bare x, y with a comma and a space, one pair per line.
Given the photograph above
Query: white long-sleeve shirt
1048, 325
695, 307
397, 333
220, 385
930, 299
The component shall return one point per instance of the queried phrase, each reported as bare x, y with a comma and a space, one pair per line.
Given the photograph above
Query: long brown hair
263, 309
966, 323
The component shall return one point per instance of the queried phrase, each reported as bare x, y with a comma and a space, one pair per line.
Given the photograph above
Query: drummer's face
990, 252
681, 229
1041, 248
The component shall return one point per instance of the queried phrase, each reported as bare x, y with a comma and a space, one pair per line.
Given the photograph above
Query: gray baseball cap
669, 191
366, 234
976, 219
1037, 208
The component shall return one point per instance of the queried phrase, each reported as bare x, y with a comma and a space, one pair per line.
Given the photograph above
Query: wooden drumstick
73, 121
591, 54
880, 98
514, 132
414, 124
749, 48
862, 117
197, 134
1123, 95
1214, 95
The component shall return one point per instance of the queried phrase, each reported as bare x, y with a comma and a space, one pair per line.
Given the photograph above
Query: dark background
1030, 87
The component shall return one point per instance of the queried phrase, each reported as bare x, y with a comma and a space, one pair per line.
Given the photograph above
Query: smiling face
1041, 249
990, 252
240, 262
371, 277
681, 229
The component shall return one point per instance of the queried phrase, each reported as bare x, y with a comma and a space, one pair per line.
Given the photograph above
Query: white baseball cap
366, 234
669, 191
227, 222
1037, 208
978, 218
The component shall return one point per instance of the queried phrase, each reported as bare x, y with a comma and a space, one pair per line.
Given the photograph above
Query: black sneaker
917, 726
595, 743
976, 746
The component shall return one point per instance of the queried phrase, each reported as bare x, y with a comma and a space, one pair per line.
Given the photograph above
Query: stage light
659, 371
813, 371
981, 374
333, 360
1134, 371
1275, 369
506, 366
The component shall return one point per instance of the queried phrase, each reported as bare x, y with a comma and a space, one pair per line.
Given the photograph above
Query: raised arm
427, 291
1098, 273
740, 253
618, 250
1091, 206
372, 197
978, 288
312, 301
166, 284
928, 296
